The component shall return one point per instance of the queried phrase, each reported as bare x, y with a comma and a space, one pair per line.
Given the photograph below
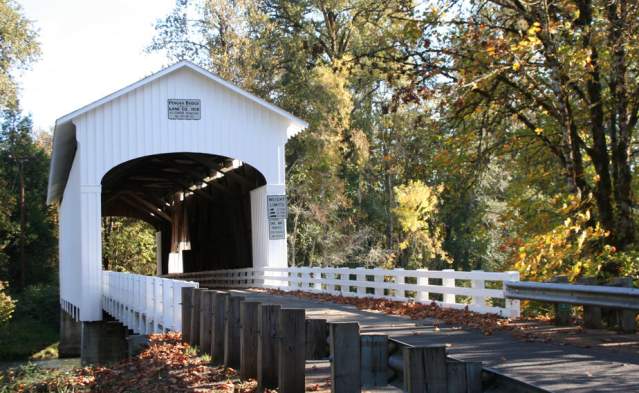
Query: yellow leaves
516, 66
539, 131
416, 212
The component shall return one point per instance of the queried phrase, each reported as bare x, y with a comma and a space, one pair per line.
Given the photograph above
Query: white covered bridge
203, 162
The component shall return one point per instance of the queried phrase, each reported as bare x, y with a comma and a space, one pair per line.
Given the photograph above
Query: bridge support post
70, 336
103, 342
291, 356
267, 350
345, 357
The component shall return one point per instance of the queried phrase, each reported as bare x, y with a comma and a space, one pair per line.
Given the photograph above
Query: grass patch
32, 378
27, 338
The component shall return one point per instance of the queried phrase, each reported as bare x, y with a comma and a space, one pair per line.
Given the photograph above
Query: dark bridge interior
197, 199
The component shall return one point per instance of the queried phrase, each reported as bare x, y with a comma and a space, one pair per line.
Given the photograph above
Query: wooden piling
267, 346
194, 338
232, 332
463, 377
345, 355
248, 339
205, 320
187, 308
425, 366
291, 353
316, 339
218, 323
374, 360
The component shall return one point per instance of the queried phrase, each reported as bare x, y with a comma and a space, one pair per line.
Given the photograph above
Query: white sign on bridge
184, 109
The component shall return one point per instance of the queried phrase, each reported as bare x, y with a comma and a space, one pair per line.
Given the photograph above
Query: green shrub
39, 302
7, 304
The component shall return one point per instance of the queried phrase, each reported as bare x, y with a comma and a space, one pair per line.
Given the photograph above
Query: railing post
478, 284
345, 355
449, 298
512, 306
361, 276
422, 295
379, 279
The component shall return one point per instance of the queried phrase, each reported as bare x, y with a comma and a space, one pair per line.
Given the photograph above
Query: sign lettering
184, 109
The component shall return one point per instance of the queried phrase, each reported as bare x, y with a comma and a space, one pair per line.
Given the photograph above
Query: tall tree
18, 49
558, 78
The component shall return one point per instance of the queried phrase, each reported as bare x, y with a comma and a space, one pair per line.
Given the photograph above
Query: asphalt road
551, 366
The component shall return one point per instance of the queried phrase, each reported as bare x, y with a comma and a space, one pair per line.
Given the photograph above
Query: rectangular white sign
184, 109
276, 206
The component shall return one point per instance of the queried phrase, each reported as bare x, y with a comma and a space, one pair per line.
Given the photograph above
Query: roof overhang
64, 141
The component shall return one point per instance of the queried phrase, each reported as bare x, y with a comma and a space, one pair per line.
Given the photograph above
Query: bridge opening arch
199, 205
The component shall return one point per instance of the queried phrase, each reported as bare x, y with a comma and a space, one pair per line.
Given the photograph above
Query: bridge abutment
103, 342
70, 336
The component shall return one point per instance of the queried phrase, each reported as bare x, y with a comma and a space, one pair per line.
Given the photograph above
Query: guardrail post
187, 309
218, 324
316, 339
424, 367
267, 349
626, 319
232, 332
206, 318
563, 311
292, 365
345, 357
374, 360
592, 314
248, 341
449, 283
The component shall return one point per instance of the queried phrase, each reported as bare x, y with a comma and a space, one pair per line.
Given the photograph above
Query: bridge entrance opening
199, 205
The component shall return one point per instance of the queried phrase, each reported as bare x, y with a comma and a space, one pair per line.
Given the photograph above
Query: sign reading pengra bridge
184, 109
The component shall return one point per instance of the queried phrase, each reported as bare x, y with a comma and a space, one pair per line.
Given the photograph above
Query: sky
90, 48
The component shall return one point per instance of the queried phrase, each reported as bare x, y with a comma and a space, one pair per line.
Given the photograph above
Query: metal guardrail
589, 295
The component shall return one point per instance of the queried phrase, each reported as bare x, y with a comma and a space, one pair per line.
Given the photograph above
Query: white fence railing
145, 304
480, 291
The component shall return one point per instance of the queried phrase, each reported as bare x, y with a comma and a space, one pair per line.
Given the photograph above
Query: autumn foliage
167, 365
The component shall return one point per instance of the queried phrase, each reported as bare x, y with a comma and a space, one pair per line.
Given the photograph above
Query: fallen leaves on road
487, 323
